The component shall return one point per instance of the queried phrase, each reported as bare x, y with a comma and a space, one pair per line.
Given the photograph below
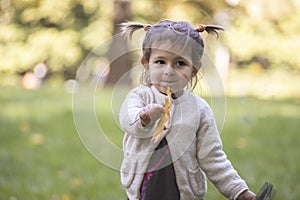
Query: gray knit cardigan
194, 143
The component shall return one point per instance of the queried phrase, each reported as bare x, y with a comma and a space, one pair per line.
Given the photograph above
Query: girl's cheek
154, 77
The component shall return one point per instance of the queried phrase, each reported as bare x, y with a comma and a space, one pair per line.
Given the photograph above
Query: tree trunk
122, 64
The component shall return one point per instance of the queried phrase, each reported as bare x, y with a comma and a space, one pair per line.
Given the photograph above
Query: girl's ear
145, 63
194, 72
196, 69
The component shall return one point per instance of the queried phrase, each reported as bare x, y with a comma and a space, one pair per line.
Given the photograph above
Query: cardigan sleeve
212, 159
129, 114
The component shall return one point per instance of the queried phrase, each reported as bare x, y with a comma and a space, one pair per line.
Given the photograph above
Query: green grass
42, 157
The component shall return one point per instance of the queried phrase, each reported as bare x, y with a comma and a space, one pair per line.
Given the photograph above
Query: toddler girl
173, 164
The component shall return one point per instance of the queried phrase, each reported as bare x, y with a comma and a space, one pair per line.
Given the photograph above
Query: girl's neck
174, 96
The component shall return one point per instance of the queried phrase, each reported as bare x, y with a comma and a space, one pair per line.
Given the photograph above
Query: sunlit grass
42, 157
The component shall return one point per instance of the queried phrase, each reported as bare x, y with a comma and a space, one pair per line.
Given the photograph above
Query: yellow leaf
164, 119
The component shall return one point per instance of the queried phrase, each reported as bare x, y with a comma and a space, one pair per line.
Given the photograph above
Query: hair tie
146, 26
201, 28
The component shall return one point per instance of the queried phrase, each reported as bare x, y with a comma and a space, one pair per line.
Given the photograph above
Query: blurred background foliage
57, 33
269, 30
60, 34
44, 42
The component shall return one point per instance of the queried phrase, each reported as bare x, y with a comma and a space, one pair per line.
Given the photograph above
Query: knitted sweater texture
194, 143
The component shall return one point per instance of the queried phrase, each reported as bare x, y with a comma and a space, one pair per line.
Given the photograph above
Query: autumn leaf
164, 121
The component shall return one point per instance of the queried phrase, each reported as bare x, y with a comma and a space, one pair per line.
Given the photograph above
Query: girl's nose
170, 71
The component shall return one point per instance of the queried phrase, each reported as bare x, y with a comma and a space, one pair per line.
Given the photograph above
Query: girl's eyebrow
180, 58
159, 57
176, 57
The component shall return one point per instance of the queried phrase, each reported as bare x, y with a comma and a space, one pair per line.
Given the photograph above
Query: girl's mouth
169, 82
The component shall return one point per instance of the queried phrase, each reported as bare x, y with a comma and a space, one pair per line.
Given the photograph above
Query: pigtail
210, 29
128, 28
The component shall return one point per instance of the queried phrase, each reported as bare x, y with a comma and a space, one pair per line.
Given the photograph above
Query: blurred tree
123, 63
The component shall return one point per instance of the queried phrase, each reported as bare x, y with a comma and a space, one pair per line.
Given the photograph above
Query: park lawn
42, 157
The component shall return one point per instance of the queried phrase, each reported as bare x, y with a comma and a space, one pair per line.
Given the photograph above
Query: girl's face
167, 69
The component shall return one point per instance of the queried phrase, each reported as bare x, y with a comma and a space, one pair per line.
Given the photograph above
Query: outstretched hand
247, 195
151, 113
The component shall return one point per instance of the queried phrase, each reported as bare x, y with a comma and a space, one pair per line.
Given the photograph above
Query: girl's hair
181, 33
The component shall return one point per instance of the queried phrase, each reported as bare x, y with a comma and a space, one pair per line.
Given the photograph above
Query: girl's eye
160, 62
180, 63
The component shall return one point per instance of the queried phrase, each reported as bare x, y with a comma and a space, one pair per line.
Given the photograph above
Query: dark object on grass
267, 192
